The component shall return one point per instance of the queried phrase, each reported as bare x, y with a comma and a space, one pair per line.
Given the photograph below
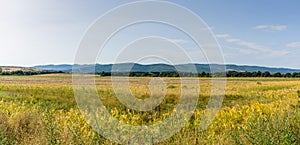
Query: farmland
42, 110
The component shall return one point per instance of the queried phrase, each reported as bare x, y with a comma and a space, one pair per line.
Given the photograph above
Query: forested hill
126, 67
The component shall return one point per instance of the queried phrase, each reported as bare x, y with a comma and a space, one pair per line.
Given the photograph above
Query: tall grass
36, 112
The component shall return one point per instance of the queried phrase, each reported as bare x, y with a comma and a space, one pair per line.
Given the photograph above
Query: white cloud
293, 45
255, 48
243, 51
178, 41
208, 28
271, 27
222, 35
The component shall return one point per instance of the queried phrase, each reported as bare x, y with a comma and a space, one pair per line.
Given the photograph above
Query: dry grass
42, 110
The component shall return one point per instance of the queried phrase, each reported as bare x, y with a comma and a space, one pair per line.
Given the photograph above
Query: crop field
43, 110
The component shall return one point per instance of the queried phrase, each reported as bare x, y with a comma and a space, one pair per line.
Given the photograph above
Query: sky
256, 32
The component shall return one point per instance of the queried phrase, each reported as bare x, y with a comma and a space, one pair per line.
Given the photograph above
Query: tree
266, 74
288, 75
203, 74
258, 74
296, 75
0, 70
278, 74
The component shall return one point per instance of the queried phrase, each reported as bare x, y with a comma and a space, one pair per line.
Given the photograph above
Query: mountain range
134, 67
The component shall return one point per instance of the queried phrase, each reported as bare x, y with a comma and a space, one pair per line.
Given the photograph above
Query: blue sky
256, 32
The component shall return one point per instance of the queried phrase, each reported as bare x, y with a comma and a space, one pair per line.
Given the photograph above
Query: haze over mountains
133, 67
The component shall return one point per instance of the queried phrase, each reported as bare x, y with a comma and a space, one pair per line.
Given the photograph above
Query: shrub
171, 87
27, 128
4, 129
269, 129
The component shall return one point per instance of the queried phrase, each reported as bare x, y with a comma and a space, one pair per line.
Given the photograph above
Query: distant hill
132, 67
16, 68
61, 67
24, 71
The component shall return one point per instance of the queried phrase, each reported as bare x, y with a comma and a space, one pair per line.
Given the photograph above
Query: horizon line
57, 64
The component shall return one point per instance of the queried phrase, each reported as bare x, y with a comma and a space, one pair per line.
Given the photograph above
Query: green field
42, 110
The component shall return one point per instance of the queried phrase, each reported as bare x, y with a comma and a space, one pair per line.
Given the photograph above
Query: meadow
42, 110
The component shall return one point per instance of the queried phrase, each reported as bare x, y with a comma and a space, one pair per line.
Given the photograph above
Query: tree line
154, 74
27, 73
202, 74
262, 74
165, 74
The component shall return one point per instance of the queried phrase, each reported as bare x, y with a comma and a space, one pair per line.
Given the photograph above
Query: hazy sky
256, 32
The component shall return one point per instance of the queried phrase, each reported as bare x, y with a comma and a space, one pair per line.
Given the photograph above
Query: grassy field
43, 110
